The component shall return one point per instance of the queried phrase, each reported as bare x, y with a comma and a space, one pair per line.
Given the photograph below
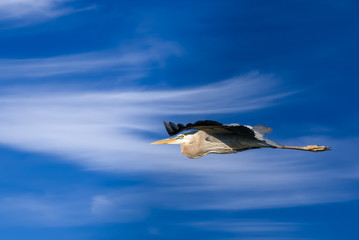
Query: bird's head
185, 137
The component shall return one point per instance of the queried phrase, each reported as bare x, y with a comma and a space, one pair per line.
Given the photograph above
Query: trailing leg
312, 148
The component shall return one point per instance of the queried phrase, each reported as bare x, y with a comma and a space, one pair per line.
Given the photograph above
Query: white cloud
245, 226
25, 12
127, 59
111, 131
43, 210
97, 127
67, 208
123, 206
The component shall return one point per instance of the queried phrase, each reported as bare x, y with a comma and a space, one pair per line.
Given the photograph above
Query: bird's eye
181, 136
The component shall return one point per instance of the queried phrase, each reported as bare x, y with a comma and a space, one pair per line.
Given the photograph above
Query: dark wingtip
170, 127
173, 126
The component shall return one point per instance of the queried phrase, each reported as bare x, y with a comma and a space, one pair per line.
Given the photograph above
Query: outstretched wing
211, 127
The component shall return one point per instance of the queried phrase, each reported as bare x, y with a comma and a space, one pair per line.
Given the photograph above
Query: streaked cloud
93, 125
111, 131
42, 210
26, 12
96, 112
127, 60
70, 208
257, 227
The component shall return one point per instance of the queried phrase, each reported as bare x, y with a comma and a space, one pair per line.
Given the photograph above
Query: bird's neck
194, 148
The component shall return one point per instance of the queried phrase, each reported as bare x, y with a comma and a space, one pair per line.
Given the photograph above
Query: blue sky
85, 86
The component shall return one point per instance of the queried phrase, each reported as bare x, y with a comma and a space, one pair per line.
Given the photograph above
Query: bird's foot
316, 148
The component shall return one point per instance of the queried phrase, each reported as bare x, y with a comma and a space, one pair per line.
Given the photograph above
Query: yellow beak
168, 140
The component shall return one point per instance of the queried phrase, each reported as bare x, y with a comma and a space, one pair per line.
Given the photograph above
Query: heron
214, 137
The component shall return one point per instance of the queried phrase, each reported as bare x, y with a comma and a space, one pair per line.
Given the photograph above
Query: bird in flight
215, 137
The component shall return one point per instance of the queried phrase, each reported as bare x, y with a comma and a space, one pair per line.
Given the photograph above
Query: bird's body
202, 144
214, 137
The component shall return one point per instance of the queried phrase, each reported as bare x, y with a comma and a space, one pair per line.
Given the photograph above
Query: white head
185, 137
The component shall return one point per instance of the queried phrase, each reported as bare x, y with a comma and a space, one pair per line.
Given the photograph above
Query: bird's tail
272, 144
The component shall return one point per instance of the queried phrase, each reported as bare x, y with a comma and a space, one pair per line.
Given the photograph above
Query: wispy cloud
257, 227
69, 209
111, 131
93, 125
127, 59
248, 229
26, 12
43, 210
